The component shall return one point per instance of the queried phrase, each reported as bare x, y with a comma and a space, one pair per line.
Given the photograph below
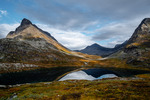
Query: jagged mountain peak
146, 20
25, 22
142, 31
144, 24
137, 49
27, 30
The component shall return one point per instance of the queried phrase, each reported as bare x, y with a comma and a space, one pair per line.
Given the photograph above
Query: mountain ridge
96, 49
30, 44
29, 30
142, 29
137, 49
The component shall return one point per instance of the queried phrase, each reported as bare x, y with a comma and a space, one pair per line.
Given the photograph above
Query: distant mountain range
96, 49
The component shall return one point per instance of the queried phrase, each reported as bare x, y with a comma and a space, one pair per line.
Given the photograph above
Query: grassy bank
120, 88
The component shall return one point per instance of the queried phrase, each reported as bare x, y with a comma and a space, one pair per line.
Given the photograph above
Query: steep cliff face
28, 30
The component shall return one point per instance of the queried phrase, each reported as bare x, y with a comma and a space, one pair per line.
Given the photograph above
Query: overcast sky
77, 23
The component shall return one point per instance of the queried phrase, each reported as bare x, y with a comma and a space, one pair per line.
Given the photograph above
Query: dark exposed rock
25, 22
11, 32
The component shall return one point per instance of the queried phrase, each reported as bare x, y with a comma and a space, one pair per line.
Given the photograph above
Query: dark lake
51, 74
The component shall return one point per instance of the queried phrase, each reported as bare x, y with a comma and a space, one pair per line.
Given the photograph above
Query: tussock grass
122, 89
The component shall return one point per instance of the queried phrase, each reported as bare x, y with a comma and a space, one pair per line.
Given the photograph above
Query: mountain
30, 44
142, 32
137, 49
29, 30
96, 49
30, 54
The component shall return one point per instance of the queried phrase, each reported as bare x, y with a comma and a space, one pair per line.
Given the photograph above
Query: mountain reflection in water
89, 74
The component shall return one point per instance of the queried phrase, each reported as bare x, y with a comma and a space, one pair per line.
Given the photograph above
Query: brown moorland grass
112, 89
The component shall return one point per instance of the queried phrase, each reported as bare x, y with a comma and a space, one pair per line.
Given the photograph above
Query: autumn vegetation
117, 88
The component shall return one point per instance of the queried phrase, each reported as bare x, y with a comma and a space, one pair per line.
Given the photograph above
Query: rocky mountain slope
29, 44
96, 49
137, 49
29, 30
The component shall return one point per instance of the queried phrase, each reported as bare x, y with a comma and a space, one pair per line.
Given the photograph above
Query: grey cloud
79, 15
57, 14
116, 33
81, 12
122, 30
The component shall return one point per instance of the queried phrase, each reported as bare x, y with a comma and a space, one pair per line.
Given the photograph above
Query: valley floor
133, 83
137, 88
